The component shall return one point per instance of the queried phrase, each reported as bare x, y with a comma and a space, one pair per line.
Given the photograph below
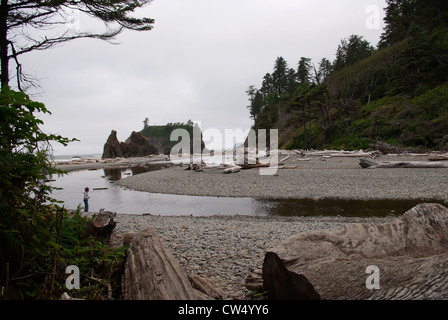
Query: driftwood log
369, 164
234, 169
338, 153
254, 166
207, 290
410, 253
152, 272
102, 226
439, 158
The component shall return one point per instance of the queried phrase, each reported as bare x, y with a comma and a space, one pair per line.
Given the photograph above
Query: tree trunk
152, 272
4, 43
101, 227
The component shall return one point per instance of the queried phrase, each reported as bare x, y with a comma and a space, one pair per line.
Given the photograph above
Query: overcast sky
196, 64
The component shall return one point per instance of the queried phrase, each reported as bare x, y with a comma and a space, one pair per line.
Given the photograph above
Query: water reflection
337, 207
115, 174
105, 193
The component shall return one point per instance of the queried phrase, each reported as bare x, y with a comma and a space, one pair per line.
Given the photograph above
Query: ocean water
71, 157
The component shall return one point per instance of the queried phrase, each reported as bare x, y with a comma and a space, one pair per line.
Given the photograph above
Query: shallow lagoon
106, 194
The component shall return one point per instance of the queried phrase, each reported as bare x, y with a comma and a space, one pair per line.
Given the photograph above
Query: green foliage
352, 50
162, 134
38, 238
396, 94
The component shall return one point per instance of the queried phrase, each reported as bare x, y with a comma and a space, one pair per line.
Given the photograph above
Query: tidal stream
105, 193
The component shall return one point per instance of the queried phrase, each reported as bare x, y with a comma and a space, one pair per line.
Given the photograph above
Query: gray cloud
195, 64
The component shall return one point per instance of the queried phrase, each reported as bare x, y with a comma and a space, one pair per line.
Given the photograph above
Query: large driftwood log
369, 164
411, 254
152, 272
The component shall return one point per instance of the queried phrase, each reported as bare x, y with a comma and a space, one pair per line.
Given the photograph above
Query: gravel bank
226, 249
335, 178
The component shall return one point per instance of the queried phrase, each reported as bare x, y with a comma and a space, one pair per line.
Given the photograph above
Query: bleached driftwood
210, 291
411, 255
287, 167
369, 164
233, 169
342, 153
152, 273
254, 165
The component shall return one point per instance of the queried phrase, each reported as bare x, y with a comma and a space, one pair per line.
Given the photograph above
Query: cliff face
136, 146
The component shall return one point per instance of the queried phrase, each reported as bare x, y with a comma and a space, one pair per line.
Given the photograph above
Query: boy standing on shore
86, 199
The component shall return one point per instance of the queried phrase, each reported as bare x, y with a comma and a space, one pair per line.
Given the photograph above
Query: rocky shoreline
318, 178
226, 249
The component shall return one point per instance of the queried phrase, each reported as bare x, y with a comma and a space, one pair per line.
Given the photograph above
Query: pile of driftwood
249, 161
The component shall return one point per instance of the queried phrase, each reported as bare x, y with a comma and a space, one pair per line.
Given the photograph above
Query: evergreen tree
324, 70
304, 70
280, 76
352, 50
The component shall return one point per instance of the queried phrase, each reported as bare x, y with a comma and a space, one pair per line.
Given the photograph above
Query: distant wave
70, 157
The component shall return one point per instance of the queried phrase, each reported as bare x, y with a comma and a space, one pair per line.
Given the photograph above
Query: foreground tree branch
26, 26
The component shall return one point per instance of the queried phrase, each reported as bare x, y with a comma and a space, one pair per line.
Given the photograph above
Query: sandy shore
334, 178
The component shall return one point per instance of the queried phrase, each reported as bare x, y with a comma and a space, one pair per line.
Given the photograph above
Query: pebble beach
226, 249
334, 178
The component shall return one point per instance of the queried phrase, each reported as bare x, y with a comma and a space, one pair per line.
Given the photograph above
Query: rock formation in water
112, 148
136, 146
404, 259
